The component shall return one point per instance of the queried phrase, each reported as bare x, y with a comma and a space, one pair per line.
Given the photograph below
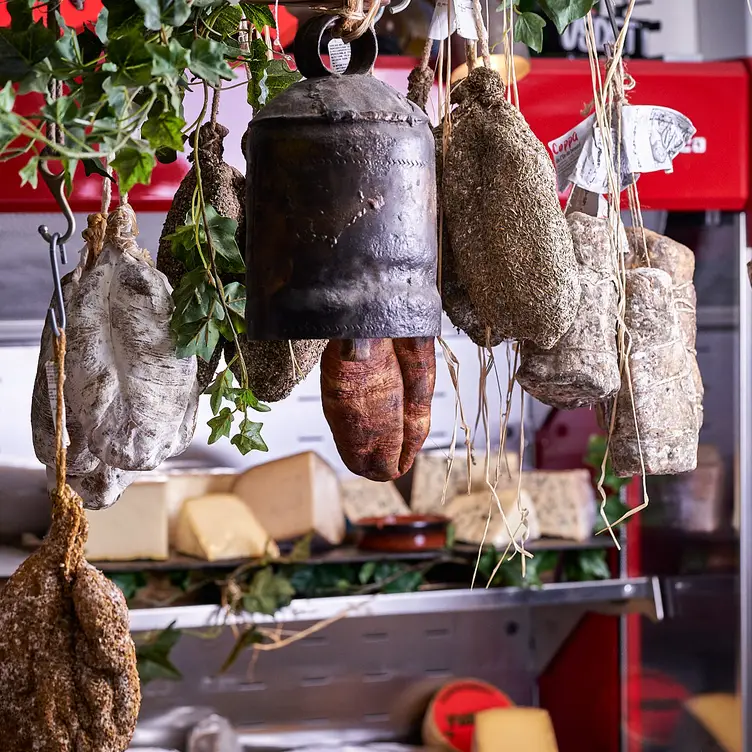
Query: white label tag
51, 370
465, 22
440, 26
339, 54
650, 139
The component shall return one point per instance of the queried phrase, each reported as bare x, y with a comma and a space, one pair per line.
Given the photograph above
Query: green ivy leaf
249, 437
90, 45
245, 398
528, 29
164, 130
301, 551
185, 248
220, 424
101, 26
222, 231
582, 566
365, 575
235, 298
133, 60
195, 298
61, 111
207, 62
219, 388
153, 657
10, 128
169, 62
96, 167
258, 15
23, 48
273, 79
68, 49
563, 12
164, 12
267, 592
134, 164
198, 338
30, 172
7, 98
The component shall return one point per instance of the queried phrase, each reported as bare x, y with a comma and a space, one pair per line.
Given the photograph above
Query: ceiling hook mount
57, 317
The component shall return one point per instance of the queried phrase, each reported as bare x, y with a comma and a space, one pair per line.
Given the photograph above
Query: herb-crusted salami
509, 237
582, 368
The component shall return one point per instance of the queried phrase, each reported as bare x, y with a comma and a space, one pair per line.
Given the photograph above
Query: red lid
452, 712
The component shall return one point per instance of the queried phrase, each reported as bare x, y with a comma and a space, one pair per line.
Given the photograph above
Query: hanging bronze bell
341, 217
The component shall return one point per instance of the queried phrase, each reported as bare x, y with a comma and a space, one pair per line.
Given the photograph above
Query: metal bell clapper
341, 205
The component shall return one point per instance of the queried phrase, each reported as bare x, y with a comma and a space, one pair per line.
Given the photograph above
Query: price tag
339, 55
51, 370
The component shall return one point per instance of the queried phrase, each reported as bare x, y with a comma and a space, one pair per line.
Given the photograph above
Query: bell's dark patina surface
341, 239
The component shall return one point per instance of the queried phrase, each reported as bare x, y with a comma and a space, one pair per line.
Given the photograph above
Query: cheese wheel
450, 720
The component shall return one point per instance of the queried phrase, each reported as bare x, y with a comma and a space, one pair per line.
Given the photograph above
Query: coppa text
559, 147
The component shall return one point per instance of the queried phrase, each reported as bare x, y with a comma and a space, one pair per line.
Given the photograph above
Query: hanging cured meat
377, 400
127, 387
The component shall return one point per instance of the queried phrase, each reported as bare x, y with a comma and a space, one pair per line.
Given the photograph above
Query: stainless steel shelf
638, 594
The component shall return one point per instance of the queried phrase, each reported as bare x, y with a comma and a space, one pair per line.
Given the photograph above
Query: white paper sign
461, 21
339, 54
650, 139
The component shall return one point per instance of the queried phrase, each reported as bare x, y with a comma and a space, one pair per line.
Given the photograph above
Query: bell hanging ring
341, 189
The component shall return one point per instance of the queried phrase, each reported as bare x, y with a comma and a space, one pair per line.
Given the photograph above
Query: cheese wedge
294, 496
134, 528
469, 513
220, 526
429, 476
368, 498
564, 501
514, 730
190, 484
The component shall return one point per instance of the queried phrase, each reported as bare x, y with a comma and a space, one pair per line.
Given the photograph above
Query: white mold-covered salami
131, 393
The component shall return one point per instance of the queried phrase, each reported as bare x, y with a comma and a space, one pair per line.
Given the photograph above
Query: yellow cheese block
220, 526
190, 484
294, 496
721, 715
514, 730
134, 528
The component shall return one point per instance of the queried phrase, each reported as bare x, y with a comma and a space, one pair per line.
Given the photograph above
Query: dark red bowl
404, 533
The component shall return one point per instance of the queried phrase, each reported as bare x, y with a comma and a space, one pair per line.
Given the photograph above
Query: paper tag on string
440, 28
464, 19
339, 54
651, 137
50, 368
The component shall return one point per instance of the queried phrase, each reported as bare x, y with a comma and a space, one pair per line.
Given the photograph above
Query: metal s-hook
56, 183
57, 318
396, 8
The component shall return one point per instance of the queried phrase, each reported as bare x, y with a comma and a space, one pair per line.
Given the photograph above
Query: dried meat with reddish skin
376, 395
362, 395
417, 359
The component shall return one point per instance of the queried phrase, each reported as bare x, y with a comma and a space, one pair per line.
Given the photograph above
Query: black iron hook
57, 318
56, 183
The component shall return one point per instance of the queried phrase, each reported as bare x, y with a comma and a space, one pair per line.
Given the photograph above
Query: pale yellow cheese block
430, 472
368, 498
564, 501
190, 484
514, 730
469, 513
721, 715
295, 496
220, 526
134, 528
